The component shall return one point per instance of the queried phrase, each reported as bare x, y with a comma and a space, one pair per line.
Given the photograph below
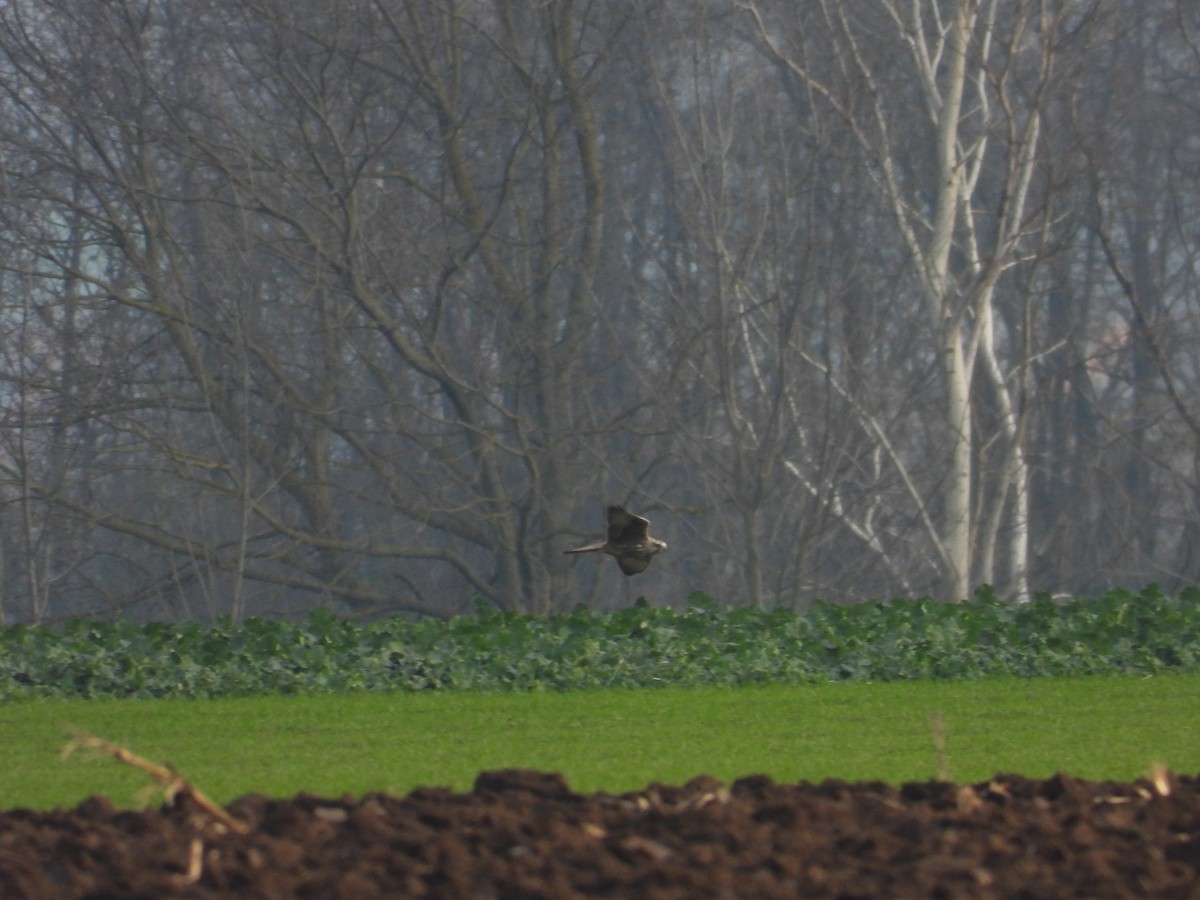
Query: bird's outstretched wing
626, 528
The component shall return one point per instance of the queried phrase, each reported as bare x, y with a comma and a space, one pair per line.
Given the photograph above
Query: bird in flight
628, 540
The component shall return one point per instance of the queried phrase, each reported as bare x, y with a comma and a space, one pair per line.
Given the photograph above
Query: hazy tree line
378, 303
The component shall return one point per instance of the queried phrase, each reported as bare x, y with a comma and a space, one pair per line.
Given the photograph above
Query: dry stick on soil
1160, 777
173, 784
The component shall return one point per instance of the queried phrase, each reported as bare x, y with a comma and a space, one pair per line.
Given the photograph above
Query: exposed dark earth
525, 834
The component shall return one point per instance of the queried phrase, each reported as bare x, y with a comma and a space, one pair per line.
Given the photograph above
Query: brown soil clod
527, 834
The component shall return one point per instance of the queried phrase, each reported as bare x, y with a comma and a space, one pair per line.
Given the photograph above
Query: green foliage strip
707, 644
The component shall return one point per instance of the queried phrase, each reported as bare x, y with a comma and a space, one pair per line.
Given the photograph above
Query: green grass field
1097, 728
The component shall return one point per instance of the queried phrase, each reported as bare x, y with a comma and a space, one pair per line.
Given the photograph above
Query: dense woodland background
376, 304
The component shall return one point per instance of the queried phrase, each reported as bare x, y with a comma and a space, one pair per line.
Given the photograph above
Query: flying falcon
628, 540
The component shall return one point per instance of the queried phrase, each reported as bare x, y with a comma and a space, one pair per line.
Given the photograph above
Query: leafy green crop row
637, 647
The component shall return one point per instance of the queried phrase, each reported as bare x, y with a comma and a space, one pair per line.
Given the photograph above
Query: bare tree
967, 204
1142, 225
748, 252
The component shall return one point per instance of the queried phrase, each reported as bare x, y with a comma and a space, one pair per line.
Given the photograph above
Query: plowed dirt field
526, 834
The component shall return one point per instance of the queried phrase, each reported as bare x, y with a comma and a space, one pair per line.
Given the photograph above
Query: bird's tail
590, 548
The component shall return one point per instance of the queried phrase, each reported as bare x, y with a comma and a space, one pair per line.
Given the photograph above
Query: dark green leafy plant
707, 644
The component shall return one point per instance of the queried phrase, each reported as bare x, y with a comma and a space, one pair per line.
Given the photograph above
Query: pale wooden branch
173, 784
